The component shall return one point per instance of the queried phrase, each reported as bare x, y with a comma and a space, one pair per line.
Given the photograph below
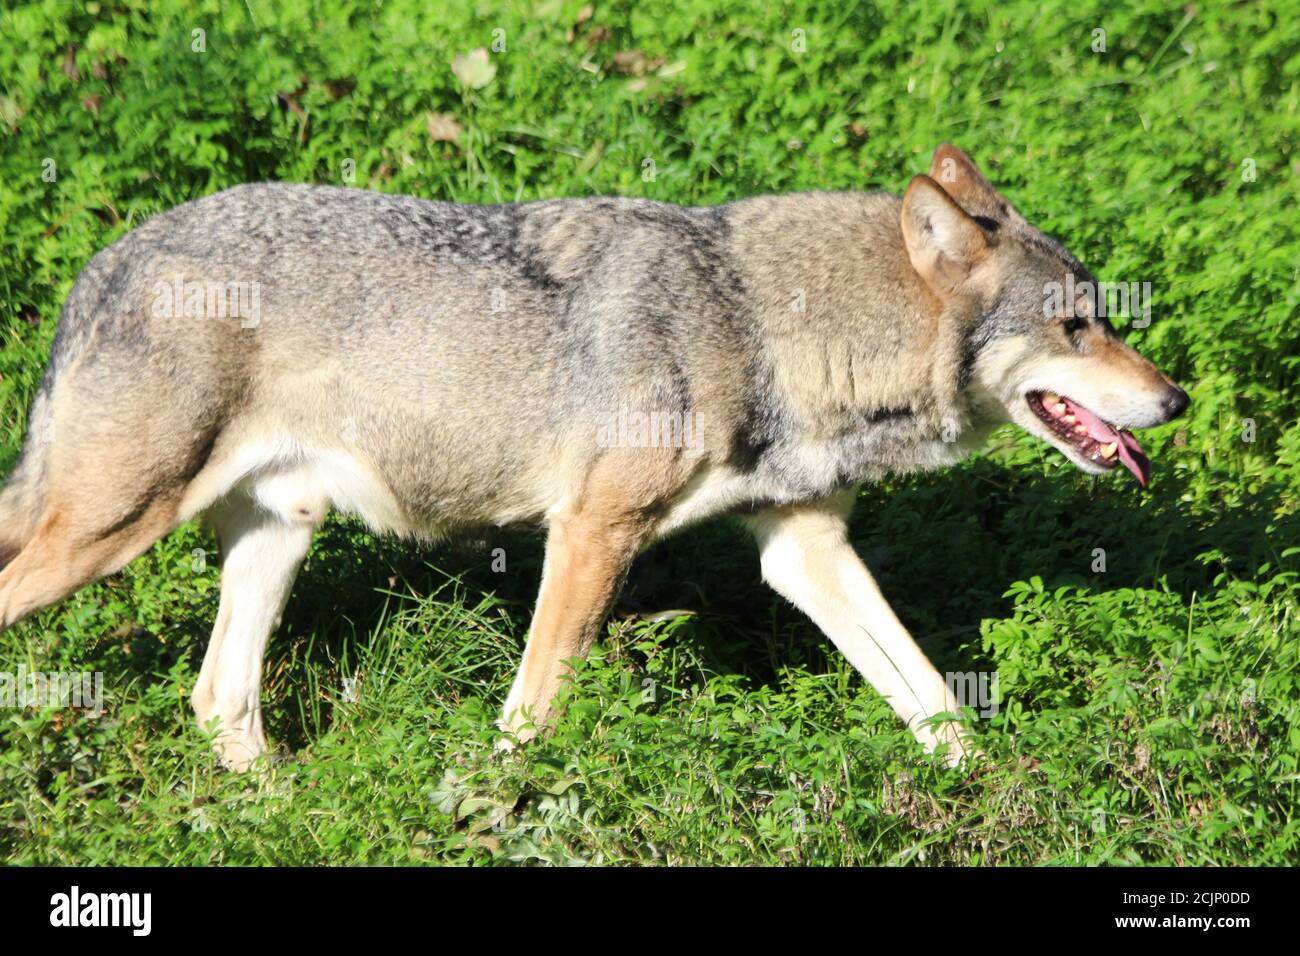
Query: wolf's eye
1074, 326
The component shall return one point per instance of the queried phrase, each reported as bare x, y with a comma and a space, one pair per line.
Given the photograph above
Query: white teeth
1069, 419
1108, 450
1080, 430
1050, 398
1059, 408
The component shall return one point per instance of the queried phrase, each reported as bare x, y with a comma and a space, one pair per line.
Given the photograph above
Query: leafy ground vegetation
1145, 713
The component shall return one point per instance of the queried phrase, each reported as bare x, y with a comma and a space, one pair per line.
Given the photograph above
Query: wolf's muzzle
1175, 402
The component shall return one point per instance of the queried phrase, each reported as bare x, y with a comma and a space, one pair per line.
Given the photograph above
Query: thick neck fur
862, 355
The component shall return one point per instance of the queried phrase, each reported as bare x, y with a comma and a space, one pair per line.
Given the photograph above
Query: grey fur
610, 302
443, 365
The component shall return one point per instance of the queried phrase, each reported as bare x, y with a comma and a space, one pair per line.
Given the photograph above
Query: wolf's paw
954, 743
239, 751
515, 730
238, 742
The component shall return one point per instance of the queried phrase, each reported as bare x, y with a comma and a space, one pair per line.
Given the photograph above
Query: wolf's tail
22, 500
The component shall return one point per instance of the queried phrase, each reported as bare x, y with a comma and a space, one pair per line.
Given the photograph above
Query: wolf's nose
1176, 402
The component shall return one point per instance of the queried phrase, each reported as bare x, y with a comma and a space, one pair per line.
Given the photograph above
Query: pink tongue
1134, 459
1130, 452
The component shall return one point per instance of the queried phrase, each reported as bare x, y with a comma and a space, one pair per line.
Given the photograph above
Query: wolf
266, 354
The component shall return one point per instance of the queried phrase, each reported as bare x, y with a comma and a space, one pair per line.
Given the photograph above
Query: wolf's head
1037, 348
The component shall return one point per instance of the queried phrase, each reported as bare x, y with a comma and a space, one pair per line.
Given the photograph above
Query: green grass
1148, 714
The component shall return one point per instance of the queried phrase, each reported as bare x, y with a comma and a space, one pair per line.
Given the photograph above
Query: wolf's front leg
587, 556
807, 558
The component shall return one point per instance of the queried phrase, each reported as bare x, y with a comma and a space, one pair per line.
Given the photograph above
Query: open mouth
1093, 439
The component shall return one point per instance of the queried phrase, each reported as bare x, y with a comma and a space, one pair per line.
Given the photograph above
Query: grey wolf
263, 355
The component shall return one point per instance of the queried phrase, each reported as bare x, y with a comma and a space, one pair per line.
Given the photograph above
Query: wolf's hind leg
806, 556
261, 552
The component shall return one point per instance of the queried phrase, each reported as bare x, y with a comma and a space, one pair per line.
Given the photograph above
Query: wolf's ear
961, 179
943, 241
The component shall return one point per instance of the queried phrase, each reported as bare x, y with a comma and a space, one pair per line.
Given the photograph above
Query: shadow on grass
945, 548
